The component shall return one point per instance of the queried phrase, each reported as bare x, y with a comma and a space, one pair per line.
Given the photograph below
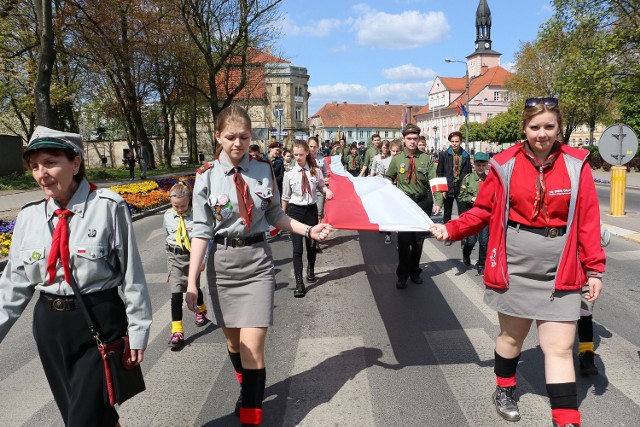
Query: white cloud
509, 66
341, 48
320, 28
408, 72
408, 30
396, 93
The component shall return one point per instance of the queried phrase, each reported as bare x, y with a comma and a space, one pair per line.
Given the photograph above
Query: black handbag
122, 378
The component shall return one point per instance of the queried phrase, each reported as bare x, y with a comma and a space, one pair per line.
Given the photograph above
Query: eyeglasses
548, 102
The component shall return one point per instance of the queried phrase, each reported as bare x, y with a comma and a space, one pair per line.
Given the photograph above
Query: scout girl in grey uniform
299, 195
235, 200
77, 233
178, 223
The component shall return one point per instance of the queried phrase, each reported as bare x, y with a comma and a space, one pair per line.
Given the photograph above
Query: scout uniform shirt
425, 170
103, 254
353, 163
470, 186
171, 221
215, 201
292, 186
368, 157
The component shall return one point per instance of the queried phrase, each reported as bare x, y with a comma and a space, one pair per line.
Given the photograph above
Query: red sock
252, 416
238, 376
506, 381
566, 416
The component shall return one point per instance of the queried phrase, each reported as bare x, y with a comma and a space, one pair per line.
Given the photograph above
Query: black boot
311, 275
466, 255
300, 291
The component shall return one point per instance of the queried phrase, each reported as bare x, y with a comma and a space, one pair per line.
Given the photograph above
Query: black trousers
71, 361
448, 204
306, 215
410, 245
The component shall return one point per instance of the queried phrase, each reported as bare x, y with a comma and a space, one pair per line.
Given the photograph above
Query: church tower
484, 55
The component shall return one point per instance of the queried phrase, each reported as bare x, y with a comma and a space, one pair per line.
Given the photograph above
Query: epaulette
35, 202
205, 167
262, 159
105, 193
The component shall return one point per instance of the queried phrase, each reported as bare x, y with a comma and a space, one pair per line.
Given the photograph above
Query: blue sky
391, 50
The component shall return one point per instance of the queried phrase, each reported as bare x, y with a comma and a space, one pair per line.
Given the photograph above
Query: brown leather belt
176, 250
542, 231
239, 242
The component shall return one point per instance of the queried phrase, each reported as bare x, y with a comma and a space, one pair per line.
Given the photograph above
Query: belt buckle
58, 304
240, 242
553, 232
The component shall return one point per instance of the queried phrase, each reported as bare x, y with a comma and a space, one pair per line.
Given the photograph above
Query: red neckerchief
540, 203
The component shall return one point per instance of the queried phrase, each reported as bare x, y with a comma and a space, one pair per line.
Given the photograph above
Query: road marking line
620, 359
463, 282
177, 387
339, 399
23, 394
465, 357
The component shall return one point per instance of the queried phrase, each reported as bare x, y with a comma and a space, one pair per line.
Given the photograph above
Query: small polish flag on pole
438, 184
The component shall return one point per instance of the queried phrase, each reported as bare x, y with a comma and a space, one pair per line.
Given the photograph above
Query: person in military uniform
411, 170
453, 163
235, 200
84, 234
369, 154
469, 189
178, 223
353, 161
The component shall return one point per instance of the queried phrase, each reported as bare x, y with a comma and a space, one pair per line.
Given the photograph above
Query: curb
633, 236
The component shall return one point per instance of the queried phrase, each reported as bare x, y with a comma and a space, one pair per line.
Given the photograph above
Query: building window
277, 112
368, 134
496, 96
506, 97
386, 134
361, 134
298, 114
489, 116
277, 90
350, 133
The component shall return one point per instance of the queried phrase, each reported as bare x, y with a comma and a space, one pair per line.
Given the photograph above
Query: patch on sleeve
205, 167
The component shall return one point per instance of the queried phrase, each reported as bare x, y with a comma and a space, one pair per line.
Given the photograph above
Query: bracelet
307, 233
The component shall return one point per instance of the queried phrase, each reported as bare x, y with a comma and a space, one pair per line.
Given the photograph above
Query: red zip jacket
582, 256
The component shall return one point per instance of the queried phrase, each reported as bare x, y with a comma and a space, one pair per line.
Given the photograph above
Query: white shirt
379, 165
292, 186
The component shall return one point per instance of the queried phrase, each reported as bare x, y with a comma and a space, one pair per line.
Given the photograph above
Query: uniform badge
402, 170
91, 232
223, 199
213, 200
216, 212
35, 255
226, 213
264, 205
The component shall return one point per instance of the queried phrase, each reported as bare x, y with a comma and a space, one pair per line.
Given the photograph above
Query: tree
227, 33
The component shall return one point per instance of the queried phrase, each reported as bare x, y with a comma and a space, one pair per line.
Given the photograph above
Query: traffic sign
618, 144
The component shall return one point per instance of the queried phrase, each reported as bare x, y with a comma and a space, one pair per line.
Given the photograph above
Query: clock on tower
486, 45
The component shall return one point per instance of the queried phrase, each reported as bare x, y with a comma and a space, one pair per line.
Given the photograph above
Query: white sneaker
387, 240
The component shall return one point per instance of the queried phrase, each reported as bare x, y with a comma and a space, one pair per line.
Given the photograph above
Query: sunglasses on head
548, 102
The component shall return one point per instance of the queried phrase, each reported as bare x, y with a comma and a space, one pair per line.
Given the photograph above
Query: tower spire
483, 27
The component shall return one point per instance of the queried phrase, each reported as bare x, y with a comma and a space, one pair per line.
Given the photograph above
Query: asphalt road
355, 351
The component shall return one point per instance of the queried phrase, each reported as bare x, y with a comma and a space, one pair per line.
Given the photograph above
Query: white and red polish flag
370, 203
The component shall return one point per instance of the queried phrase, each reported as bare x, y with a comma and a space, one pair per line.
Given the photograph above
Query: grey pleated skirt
532, 262
241, 284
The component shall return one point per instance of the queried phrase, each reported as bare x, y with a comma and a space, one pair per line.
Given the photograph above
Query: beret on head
452, 134
481, 157
410, 128
44, 137
274, 145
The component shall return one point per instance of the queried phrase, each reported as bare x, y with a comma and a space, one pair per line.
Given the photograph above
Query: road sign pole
618, 193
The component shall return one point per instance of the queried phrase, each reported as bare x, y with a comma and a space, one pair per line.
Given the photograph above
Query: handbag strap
83, 307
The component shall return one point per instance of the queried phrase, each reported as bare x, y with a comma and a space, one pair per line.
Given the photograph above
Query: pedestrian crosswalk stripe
24, 392
346, 399
620, 358
177, 387
465, 357
464, 283
624, 255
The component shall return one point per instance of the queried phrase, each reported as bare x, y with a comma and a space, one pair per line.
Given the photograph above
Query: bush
605, 166
635, 164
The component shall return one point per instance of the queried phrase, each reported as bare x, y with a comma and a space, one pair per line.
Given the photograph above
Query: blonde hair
232, 113
180, 189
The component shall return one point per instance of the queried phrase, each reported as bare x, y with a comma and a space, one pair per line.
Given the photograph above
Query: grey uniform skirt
241, 284
532, 262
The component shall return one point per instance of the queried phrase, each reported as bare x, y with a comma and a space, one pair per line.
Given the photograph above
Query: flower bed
140, 196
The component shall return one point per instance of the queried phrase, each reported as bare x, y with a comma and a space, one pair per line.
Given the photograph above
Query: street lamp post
466, 116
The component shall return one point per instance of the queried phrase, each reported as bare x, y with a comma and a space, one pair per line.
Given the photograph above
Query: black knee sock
200, 297
563, 395
585, 329
504, 367
176, 306
253, 383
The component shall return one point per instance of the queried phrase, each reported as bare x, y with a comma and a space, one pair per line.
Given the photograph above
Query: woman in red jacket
544, 244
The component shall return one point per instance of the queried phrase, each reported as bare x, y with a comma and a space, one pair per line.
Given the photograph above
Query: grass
26, 181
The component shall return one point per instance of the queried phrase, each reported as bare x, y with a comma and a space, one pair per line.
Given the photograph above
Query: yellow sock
585, 346
202, 307
177, 327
